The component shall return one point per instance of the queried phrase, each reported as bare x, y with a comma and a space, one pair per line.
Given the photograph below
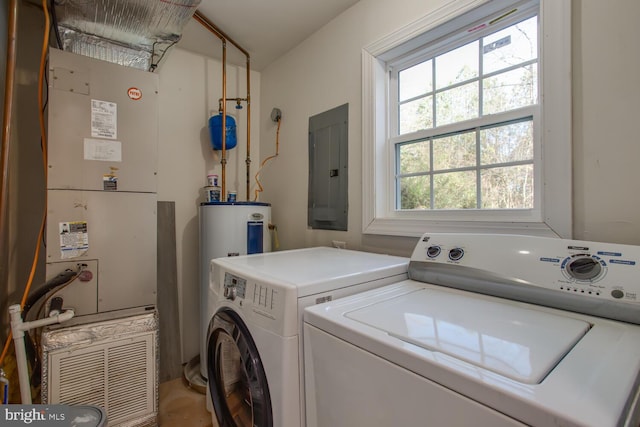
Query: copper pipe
223, 161
6, 131
224, 38
248, 159
217, 31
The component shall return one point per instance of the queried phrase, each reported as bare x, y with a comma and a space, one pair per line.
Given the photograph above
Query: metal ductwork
133, 33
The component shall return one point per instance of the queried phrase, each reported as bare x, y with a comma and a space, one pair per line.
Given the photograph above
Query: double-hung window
466, 127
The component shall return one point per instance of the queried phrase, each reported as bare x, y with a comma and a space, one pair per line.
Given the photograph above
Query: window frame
552, 161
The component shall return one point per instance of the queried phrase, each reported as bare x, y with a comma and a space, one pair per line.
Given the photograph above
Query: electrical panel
328, 167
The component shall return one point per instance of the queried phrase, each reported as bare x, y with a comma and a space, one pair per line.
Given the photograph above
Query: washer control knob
230, 292
617, 293
456, 253
584, 268
433, 251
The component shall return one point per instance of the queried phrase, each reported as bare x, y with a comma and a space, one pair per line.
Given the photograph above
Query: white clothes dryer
254, 352
490, 331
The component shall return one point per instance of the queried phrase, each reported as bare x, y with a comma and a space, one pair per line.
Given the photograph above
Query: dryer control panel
567, 274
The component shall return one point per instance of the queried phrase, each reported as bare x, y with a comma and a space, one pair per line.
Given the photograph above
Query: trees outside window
489, 163
466, 126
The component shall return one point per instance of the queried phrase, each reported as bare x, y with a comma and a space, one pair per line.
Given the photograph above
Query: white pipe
21, 354
18, 327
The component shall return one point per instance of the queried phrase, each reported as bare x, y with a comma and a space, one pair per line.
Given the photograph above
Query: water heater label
104, 119
74, 239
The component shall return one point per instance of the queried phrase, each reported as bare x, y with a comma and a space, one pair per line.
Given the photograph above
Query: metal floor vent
110, 364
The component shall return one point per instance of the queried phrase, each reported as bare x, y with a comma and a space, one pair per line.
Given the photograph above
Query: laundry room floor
181, 406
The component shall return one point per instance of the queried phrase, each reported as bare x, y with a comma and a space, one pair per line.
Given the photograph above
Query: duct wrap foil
89, 336
133, 33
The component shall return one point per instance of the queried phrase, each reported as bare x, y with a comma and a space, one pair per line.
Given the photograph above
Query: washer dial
584, 268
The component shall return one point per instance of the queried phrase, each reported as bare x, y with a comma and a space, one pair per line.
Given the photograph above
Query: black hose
56, 305
54, 21
33, 355
59, 280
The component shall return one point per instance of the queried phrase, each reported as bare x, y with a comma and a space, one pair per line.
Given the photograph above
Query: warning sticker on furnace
104, 119
74, 239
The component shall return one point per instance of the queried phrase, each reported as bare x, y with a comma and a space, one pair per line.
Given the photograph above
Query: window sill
417, 227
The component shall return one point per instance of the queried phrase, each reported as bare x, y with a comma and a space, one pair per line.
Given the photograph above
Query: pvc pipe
21, 354
18, 327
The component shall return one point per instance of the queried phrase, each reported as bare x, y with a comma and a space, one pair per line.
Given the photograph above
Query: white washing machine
254, 352
490, 331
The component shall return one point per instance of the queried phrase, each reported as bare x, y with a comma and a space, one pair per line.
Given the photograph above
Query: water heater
229, 229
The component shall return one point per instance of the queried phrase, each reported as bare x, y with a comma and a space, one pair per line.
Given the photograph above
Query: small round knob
617, 293
456, 253
433, 251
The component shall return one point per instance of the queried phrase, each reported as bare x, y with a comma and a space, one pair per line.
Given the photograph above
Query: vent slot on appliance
119, 375
81, 379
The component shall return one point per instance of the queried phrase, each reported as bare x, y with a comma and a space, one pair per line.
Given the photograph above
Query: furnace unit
101, 218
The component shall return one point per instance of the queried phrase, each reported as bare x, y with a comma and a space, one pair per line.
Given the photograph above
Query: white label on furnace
104, 119
99, 149
74, 239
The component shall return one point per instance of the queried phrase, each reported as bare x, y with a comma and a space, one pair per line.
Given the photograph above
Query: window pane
507, 188
508, 91
458, 104
456, 190
415, 192
510, 143
511, 46
416, 115
414, 157
456, 151
417, 80
457, 65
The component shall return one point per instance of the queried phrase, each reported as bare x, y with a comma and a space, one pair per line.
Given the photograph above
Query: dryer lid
512, 340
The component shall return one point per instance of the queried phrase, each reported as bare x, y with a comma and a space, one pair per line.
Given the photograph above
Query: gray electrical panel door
328, 166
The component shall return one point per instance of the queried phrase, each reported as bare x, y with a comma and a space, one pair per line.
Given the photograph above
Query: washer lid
519, 343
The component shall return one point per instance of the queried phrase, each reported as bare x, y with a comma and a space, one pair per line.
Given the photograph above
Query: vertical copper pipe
6, 132
223, 161
224, 38
248, 160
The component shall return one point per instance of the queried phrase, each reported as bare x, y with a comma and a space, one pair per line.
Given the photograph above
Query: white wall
322, 73
325, 71
190, 86
606, 139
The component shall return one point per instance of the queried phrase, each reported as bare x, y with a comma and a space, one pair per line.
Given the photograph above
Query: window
466, 127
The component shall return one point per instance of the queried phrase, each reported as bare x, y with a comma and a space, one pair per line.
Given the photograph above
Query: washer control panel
590, 269
234, 287
261, 296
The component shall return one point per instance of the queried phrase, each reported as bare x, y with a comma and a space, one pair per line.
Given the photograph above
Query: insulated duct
133, 33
